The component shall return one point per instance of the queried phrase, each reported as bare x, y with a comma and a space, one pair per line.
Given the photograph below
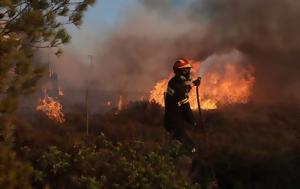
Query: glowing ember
120, 103
52, 108
218, 88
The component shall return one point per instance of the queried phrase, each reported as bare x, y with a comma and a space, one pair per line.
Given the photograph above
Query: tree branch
4, 32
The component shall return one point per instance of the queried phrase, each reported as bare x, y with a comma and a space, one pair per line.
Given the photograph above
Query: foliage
147, 113
110, 165
54, 161
255, 146
251, 146
26, 25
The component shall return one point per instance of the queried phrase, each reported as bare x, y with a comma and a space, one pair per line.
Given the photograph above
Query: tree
25, 26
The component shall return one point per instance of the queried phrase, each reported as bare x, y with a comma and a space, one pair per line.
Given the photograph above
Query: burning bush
52, 108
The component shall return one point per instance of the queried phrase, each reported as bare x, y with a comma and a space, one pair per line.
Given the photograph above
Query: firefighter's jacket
177, 106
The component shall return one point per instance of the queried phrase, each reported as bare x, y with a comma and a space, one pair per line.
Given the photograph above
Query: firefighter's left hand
197, 81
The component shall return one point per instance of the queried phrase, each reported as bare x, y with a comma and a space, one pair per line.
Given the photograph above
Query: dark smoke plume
266, 31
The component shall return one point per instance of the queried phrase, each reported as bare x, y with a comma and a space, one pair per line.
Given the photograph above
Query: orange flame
122, 103
218, 88
52, 108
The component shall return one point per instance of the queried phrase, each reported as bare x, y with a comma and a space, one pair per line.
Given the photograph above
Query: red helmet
181, 64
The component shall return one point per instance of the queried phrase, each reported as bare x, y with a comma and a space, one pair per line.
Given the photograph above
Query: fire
121, 103
218, 88
158, 93
52, 108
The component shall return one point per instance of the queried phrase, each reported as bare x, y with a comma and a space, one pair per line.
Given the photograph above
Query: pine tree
25, 26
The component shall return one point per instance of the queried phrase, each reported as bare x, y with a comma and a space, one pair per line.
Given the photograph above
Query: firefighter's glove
197, 81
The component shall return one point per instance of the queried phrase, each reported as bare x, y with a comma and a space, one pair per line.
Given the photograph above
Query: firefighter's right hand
197, 81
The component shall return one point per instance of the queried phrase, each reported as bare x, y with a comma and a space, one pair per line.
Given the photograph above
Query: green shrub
111, 165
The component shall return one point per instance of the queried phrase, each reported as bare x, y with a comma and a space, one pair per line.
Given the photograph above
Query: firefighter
177, 108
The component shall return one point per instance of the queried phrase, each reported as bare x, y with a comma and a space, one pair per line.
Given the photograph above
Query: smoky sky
142, 48
266, 31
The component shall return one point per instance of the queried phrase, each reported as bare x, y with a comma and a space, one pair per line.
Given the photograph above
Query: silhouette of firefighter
178, 112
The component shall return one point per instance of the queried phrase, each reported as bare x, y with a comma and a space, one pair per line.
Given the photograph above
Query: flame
52, 108
120, 103
158, 93
218, 88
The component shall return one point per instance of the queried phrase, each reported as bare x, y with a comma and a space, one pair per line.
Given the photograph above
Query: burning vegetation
252, 145
51, 107
232, 85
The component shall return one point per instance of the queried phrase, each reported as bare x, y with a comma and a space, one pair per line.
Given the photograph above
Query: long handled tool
201, 123
205, 140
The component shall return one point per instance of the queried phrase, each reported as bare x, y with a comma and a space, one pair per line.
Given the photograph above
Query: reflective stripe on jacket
177, 107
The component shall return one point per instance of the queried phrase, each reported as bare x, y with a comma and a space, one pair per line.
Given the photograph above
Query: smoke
265, 31
141, 50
